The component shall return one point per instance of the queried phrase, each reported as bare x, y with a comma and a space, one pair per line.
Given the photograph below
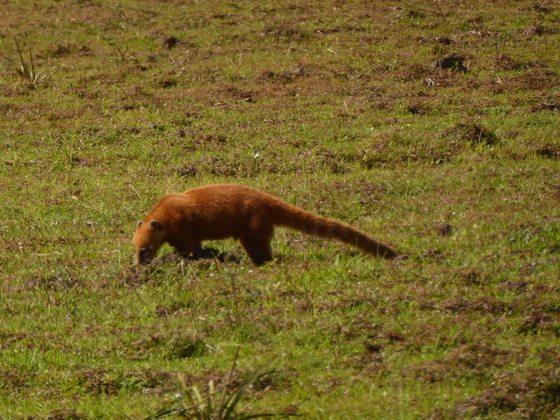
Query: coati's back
224, 210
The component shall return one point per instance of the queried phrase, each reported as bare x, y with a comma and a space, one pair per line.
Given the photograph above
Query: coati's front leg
187, 248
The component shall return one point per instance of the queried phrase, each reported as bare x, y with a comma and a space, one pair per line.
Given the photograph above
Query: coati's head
147, 239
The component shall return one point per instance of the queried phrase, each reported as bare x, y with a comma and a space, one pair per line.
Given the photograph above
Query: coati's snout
147, 240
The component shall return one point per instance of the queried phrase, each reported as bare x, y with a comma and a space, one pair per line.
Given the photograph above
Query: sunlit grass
339, 108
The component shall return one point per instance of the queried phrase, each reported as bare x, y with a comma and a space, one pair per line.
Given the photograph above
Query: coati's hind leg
258, 249
257, 244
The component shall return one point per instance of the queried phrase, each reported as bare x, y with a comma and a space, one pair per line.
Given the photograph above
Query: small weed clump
220, 402
27, 70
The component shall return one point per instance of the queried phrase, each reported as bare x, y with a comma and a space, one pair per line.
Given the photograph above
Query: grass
343, 108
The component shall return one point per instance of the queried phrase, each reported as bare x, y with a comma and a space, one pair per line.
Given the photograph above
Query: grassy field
432, 125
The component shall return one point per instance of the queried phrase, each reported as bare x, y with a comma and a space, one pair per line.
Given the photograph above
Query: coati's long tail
322, 227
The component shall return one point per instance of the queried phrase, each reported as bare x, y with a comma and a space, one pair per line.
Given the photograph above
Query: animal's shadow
209, 253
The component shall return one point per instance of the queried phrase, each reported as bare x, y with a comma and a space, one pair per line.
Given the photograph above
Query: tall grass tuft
28, 70
219, 402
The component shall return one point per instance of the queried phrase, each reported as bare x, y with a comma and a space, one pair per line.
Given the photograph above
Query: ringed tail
322, 227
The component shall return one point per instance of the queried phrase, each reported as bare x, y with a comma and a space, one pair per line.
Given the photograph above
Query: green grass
337, 107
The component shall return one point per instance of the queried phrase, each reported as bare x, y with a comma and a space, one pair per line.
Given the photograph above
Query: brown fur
230, 210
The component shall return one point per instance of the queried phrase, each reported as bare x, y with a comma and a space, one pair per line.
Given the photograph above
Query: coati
230, 210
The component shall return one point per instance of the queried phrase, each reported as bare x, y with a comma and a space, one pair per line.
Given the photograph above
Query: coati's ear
155, 225
139, 224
